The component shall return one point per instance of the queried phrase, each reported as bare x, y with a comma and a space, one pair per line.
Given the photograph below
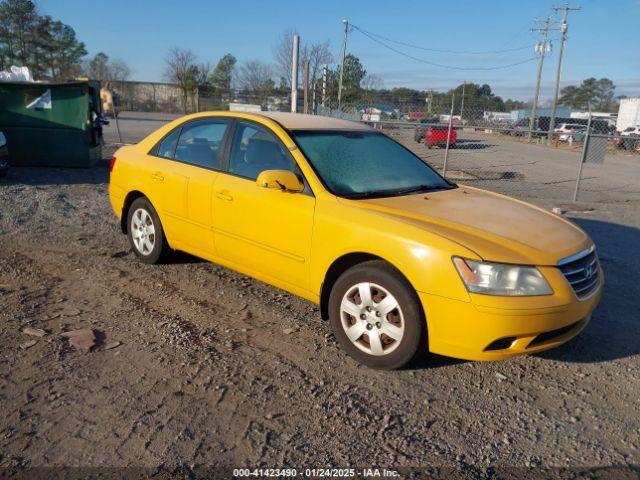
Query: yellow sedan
398, 258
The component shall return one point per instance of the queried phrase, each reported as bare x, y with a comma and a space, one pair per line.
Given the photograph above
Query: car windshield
356, 164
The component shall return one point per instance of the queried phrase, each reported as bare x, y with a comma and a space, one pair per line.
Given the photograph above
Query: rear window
167, 147
200, 142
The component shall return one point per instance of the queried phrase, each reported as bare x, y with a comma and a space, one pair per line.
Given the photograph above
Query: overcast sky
602, 38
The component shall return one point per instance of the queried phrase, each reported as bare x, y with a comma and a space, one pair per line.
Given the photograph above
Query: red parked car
437, 135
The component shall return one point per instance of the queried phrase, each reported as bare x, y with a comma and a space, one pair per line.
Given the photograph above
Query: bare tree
107, 71
97, 68
182, 70
205, 69
119, 71
371, 81
317, 54
283, 53
256, 77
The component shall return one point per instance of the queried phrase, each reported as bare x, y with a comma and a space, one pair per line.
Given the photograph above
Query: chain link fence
491, 150
572, 165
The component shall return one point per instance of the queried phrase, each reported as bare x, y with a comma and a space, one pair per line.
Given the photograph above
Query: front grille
582, 272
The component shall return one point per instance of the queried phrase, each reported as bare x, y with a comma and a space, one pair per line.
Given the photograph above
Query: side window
200, 143
167, 146
255, 150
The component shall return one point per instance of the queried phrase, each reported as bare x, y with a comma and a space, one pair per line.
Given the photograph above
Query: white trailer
629, 113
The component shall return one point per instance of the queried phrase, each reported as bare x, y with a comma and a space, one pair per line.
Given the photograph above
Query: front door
260, 229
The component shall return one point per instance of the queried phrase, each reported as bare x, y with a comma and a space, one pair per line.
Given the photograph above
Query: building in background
628, 114
496, 116
541, 112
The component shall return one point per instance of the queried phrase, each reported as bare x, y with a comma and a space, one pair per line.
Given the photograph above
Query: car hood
495, 227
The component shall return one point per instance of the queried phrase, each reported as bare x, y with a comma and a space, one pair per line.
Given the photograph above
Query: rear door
192, 160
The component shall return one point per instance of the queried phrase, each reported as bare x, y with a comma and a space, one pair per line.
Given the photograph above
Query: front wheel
376, 316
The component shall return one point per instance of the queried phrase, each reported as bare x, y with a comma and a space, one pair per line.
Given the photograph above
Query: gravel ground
208, 368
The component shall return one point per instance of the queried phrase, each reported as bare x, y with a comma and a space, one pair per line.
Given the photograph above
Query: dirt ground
216, 370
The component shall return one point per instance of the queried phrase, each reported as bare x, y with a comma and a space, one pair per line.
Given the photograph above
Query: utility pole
563, 29
541, 48
344, 53
294, 74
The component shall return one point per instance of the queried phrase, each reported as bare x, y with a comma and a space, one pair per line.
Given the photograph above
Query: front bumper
495, 328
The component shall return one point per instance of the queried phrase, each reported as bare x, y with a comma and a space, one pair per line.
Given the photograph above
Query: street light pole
563, 29
344, 52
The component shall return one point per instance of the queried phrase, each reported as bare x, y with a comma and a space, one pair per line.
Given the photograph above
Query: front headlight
501, 279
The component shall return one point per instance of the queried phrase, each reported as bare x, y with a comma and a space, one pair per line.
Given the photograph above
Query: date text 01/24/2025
316, 472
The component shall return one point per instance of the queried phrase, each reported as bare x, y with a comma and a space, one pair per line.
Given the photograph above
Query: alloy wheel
143, 231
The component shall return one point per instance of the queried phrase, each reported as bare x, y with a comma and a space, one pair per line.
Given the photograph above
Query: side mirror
281, 180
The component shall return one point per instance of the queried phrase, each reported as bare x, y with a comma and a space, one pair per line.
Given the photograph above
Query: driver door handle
224, 195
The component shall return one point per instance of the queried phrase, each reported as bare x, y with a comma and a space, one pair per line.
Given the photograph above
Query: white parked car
631, 131
567, 127
569, 132
629, 138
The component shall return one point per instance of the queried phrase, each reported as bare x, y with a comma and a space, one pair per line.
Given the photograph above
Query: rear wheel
145, 232
376, 316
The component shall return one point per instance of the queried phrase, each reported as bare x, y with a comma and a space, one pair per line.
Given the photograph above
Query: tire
150, 244
405, 323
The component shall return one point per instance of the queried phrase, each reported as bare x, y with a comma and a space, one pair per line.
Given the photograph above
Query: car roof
300, 121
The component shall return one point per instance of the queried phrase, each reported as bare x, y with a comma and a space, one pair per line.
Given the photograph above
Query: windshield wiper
421, 189
395, 193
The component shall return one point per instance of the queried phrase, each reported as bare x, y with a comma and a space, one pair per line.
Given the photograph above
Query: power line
440, 65
467, 52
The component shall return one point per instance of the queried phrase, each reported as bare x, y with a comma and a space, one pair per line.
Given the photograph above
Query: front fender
422, 257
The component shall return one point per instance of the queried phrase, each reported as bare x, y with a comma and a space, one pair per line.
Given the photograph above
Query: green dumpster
52, 124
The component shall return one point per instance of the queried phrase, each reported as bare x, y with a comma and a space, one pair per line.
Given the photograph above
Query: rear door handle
157, 176
224, 195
